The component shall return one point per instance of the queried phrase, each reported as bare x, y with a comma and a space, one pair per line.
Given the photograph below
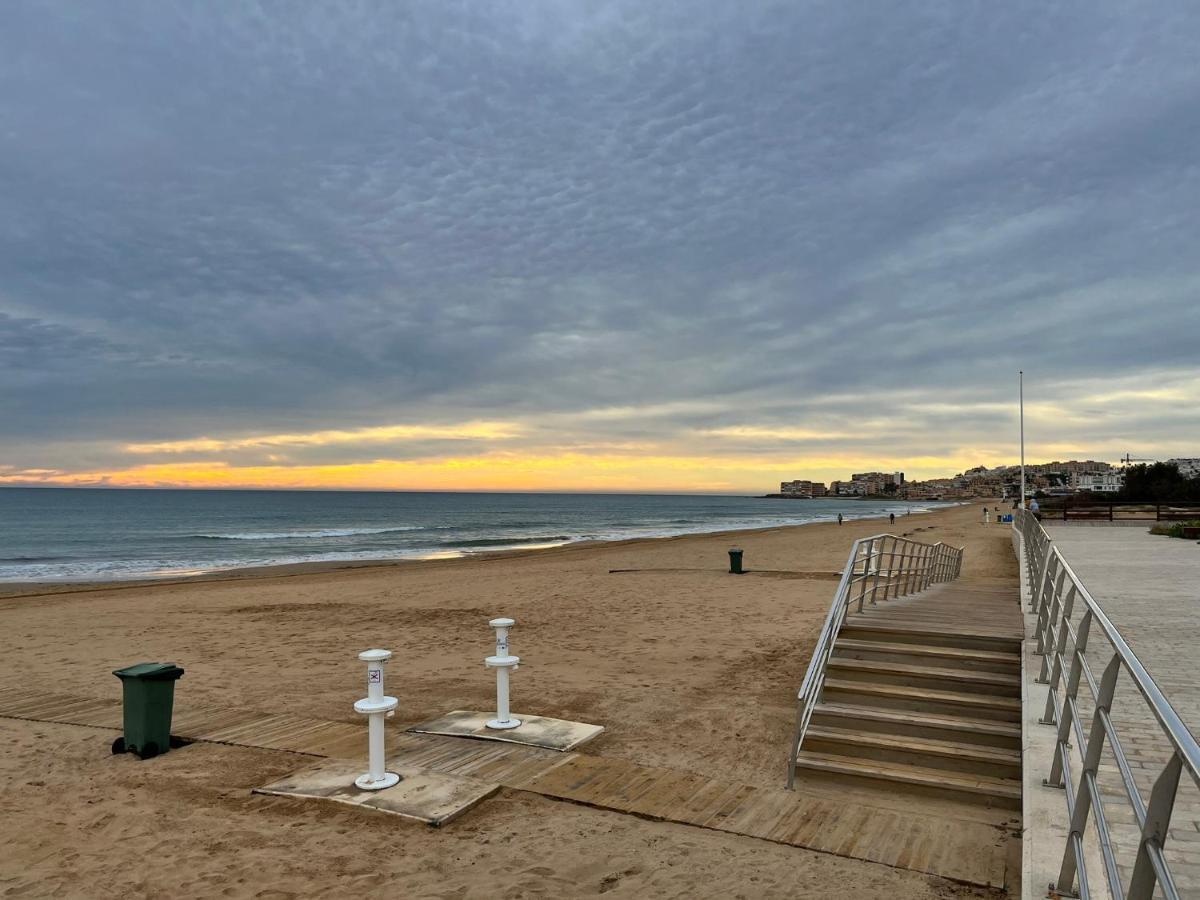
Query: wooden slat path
962, 850
967, 851
963, 607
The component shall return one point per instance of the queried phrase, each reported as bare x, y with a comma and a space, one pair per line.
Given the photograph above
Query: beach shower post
502, 662
376, 706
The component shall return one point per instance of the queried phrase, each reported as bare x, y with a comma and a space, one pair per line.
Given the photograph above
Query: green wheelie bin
149, 697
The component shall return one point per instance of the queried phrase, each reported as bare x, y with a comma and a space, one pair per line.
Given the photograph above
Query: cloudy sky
563, 244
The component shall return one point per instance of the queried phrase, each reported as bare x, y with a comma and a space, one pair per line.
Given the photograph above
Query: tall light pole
1021, 390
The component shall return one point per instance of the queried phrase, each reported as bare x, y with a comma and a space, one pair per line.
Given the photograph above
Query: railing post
891, 566
877, 559
1154, 833
1069, 695
1060, 643
1047, 558
796, 738
1041, 604
1091, 762
866, 568
1046, 639
910, 568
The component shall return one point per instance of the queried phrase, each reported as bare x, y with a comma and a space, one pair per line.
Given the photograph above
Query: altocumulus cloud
808, 233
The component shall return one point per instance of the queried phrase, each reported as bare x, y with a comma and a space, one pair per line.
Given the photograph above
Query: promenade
1150, 588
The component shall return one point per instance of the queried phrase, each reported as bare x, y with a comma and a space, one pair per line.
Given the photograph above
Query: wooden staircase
924, 693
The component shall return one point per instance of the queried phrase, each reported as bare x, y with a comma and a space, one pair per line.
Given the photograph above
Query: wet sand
687, 666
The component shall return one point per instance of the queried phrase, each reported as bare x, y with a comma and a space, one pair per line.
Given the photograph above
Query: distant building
1098, 482
802, 488
1189, 467
875, 482
881, 477
1071, 467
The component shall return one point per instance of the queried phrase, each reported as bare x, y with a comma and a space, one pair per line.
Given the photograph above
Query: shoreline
13, 590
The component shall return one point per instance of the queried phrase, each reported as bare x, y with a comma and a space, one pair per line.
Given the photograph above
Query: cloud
491, 431
672, 230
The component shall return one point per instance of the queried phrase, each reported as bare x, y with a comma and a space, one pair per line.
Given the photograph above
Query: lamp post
1021, 390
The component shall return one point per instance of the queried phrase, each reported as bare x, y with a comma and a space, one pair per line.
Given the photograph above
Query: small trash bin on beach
735, 562
149, 699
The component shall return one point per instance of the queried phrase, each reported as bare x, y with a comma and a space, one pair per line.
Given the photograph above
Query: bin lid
150, 671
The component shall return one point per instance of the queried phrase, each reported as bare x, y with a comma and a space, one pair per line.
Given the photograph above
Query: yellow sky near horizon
502, 472
616, 449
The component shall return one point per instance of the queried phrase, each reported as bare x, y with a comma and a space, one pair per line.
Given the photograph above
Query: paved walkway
1150, 588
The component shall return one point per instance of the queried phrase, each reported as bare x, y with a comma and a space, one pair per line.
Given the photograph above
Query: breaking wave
303, 535
508, 541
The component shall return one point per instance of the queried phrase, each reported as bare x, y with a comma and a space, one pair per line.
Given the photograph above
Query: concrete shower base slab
534, 731
429, 797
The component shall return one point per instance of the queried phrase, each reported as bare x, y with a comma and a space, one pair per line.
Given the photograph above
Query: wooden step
901, 696
999, 762
872, 628
1005, 791
927, 725
981, 660
925, 676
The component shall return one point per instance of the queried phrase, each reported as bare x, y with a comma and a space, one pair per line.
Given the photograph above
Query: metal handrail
891, 567
1055, 594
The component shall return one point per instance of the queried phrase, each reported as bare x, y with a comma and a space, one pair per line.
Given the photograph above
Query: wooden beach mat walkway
967, 851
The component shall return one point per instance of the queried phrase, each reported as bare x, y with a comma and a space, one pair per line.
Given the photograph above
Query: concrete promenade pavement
1149, 586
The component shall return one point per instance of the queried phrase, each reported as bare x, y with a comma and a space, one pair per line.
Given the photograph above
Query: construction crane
1127, 459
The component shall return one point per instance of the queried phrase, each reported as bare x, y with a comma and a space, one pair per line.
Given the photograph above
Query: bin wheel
149, 751
118, 746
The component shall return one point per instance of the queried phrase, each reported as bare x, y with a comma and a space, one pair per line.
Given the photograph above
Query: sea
82, 534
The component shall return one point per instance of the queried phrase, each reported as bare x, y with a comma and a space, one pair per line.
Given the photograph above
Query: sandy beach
686, 665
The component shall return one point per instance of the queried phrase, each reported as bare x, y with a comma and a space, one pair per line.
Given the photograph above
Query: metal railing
881, 567
1057, 594
1089, 509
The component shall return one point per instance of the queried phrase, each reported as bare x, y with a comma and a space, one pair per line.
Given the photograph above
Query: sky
568, 245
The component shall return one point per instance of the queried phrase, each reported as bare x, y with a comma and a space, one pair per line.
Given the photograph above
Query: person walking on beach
839, 518
892, 518
987, 513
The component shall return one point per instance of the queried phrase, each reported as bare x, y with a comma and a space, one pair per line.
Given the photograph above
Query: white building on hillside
1098, 482
1189, 467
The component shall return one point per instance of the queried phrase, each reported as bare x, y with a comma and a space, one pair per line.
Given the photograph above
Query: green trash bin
149, 697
